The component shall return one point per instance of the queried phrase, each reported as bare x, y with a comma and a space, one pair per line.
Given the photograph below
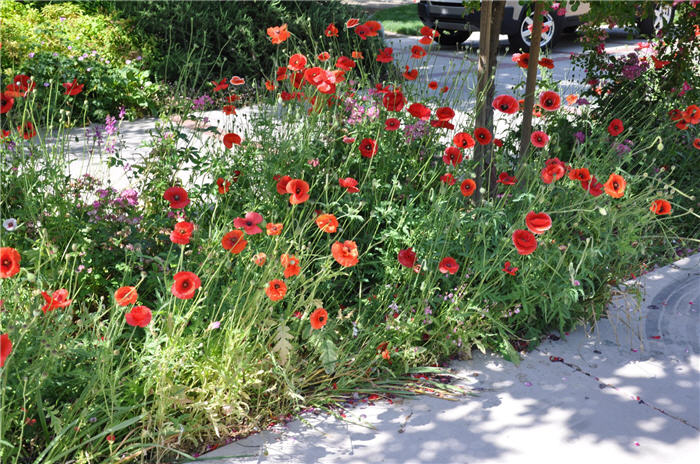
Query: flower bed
334, 244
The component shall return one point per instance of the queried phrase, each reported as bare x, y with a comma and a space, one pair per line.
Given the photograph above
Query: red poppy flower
658, 64
442, 124
282, 185
463, 140
482, 135
681, 125
228, 110
323, 56
428, 32
432, 85
274, 229
327, 223
27, 130
444, 113
345, 63
392, 124
539, 139
221, 85
276, 289
419, 111
234, 241
452, 156
393, 100
5, 348
448, 265
282, 73
346, 253
506, 179
553, 170
407, 257
319, 318
223, 185
59, 299
181, 233
521, 59
331, 31
524, 241
350, 184
444, 89
468, 187
185, 284
448, 178
278, 34
507, 267
297, 62
124, 296
547, 63
410, 74
696, 143
368, 147
299, 191
230, 139
6, 102
581, 174
362, 31
249, 223
498, 142
235, 80
505, 104
660, 207
290, 263
352, 22
615, 128
139, 316
24, 82
9, 262
417, 52
691, 115
374, 28
615, 186
177, 196
538, 223
315, 75
386, 55
592, 186
73, 88
550, 101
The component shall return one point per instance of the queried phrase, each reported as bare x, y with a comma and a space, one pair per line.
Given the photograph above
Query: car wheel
448, 37
552, 26
663, 14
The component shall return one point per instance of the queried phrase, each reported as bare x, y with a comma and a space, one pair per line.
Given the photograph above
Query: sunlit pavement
624, 391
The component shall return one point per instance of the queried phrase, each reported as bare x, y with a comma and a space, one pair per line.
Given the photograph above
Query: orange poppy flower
319, 318
357, 55
276, 289
468, 187
331, 31
327, 223
345, 254
235, 80
290, 264
571, 99
373, 27
260, 258
352, 22
125, 296
278, 34
660, 207
234, 241
269, 86
615, 186
274, 229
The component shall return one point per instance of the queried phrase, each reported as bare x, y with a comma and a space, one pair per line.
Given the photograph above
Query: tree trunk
490, 28
526, 127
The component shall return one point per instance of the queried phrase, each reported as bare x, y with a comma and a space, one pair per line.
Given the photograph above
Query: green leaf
329, 355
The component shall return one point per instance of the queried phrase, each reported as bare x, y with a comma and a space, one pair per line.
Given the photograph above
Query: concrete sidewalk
628, 391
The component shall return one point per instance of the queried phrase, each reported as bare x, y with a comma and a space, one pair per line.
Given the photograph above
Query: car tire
448, 37
653, 24
519, 41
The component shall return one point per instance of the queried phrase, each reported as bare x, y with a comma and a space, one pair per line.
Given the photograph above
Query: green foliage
399, 19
